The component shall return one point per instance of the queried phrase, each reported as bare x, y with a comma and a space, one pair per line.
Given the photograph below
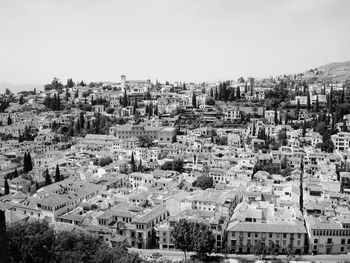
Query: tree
276, 117
203, 240
31, 242
7, 187
260, 249
132, 163
125, 99
47, 176
30, 164
57, 174
238, 93
76, 246
203, 182
144, 141
344, 127
308, 102
211, 93
135, 106
105, 161
182, 234
21, 100
15, 173
317, 105
231, 96
140, 168
9, 120
7, 91
36, 241
194, 100
304, 128
25, 163
298, 105
176, 165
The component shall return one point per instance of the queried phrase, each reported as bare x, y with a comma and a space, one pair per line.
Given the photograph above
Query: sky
174, 40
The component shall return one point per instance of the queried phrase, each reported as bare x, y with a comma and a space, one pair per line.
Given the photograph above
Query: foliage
47, 176
144, 141
278, 94
176, 165
261, 250
31, 242
190, 236
36, 241
58, 174
203, 240
203, 182
103, 161
6, 187
54, 85
27, 162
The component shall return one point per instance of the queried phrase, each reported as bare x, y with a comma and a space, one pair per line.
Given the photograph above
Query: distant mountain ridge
17, 88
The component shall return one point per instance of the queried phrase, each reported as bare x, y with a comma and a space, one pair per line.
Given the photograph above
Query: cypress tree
276, 117
58, 102
304, 128
9, 120
140, 166
194, 100
345, 128
57, 174
25, 163
308, 102
298, 105
132, 162
317, 106
333, 122
7, 187
231, 97
47, 177
238, 93
125, 99
30, 165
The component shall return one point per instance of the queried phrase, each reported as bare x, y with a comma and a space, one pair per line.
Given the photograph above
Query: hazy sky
198, 40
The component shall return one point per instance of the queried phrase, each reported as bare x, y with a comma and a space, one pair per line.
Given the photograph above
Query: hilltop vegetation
332, 72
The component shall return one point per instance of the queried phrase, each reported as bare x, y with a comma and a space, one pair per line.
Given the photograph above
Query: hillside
337, 71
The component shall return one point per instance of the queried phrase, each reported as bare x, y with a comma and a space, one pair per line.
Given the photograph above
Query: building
167, 135
328, 235
341, 141
242, 236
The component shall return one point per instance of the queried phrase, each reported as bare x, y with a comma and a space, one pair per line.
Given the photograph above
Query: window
284, 235
315, 241
343, 241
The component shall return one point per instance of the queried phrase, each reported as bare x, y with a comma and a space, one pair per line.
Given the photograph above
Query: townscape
247, 166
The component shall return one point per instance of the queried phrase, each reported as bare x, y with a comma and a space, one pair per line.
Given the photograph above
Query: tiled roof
237, 226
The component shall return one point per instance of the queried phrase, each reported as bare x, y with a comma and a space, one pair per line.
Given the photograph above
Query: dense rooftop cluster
256, 161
